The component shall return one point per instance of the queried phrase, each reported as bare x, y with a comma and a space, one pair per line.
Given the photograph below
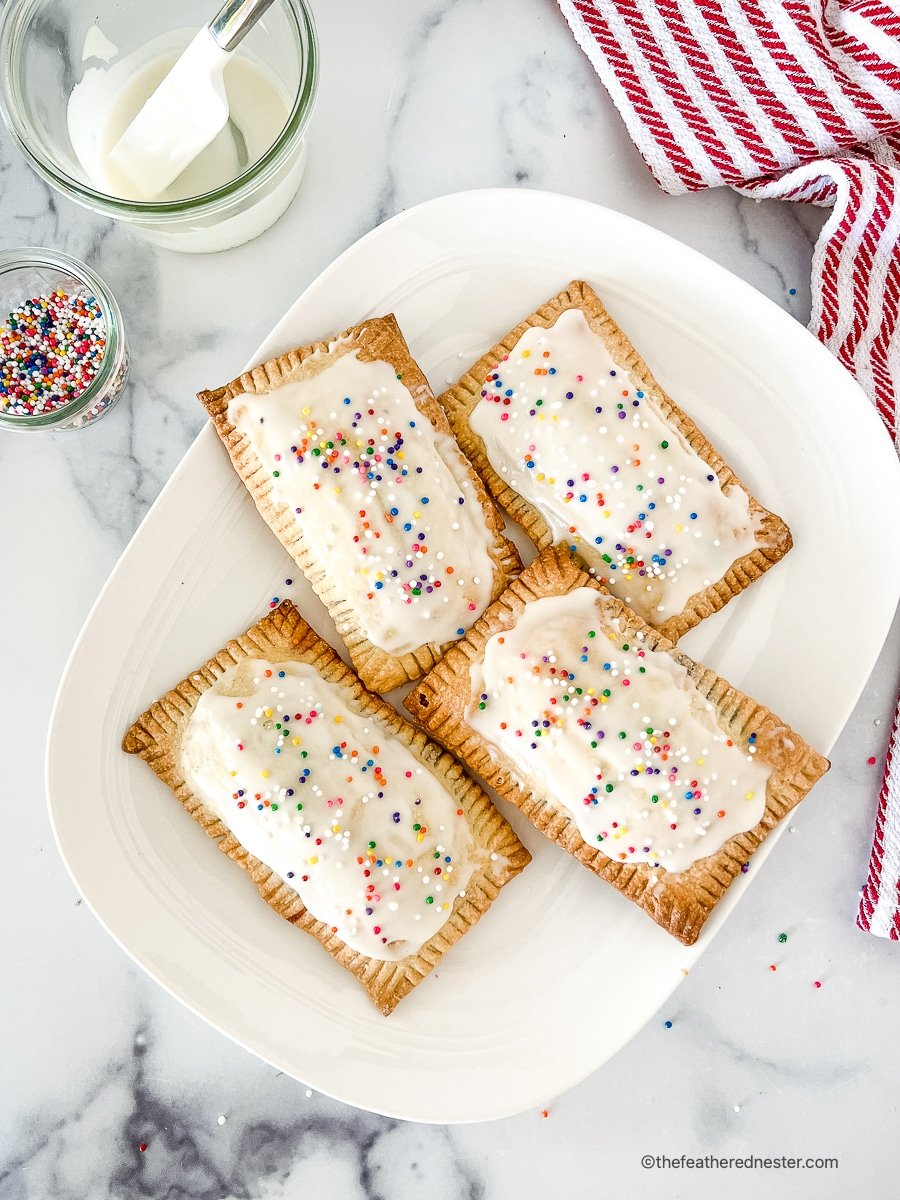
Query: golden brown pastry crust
680, 902
378, 339
284, 636
772, 535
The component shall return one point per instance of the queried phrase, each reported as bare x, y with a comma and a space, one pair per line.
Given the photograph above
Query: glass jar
48, 48
25, 274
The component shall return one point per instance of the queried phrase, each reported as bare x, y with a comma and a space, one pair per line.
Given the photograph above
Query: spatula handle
235, 19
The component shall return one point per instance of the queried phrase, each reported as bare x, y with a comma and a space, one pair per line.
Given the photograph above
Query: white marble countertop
416, 101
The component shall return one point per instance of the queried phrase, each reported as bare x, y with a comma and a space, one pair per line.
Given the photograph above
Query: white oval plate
562, 971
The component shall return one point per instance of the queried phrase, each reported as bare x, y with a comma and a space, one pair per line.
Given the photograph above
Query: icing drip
574, 434
380, 497
340, 810
613, 733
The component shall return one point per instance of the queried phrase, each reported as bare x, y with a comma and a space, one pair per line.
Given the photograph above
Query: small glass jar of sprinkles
63, 357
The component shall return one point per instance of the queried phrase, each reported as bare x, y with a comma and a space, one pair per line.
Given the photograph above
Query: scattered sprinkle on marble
782, 937
772, 967
545, 1112
221, 1119
737, 1108
817, 983
792, 291
142, 1147
308, 1093
872, 760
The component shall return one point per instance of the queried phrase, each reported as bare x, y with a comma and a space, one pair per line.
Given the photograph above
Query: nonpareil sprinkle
52, 347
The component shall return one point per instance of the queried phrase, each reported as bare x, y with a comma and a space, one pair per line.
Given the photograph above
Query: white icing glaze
381, 498
574, 434
337, 807
603, 726
106, 100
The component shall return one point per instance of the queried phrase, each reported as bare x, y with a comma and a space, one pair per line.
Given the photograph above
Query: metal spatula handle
235, 19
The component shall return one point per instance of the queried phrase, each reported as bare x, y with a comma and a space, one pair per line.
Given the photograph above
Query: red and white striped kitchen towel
792, 100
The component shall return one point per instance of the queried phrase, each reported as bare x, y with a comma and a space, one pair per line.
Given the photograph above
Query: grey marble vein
146, 1143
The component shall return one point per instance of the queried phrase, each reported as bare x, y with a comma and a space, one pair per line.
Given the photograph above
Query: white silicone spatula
188, 109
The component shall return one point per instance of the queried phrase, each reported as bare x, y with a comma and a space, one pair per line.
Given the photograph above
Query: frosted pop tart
579, 444
351, 462
353, 826
646, 766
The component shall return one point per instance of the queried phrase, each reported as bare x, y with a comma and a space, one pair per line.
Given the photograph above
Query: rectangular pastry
580, 445
353, 826
645, 765
352, 463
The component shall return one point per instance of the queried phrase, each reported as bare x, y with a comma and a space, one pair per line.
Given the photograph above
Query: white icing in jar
568, 429
79, 72
106, 101
613, 733
381, 498
334, 804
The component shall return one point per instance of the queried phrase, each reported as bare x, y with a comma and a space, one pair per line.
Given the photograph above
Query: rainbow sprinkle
613, 731
53, 346
378, 464
586, 443
628, 552
344, 812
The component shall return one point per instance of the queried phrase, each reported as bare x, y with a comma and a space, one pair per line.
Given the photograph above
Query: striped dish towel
790, 100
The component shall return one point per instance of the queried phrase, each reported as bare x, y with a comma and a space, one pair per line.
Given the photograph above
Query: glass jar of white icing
73, 75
